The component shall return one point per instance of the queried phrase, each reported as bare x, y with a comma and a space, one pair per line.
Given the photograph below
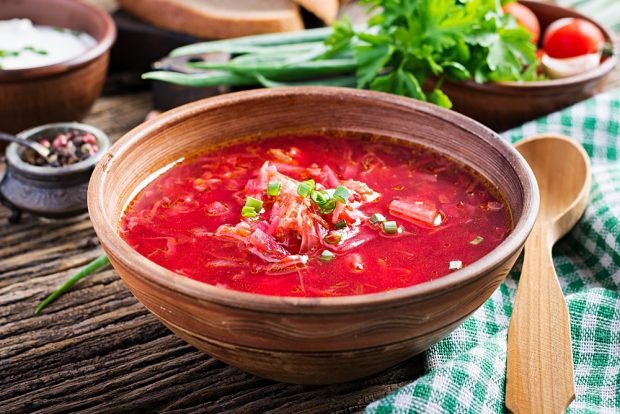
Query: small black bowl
52, 192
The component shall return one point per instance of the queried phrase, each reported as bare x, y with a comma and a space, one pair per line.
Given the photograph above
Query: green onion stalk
92, 267
272, 60
407, 48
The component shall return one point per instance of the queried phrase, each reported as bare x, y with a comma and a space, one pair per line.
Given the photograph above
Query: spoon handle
539, 376
35, 146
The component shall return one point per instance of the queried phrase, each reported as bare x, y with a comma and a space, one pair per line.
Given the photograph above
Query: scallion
327, 256
333, 238
377, 218
323, 200
477, 240
90, 268
340, 225
273, 188
456, 265
248, 212
320, 197
305, 188
390, 227
254, 203
342, 194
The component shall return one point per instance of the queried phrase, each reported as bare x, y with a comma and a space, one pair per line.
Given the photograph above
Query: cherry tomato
569, 37
525, 17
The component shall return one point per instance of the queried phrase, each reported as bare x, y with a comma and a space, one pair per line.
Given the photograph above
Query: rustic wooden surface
98, 350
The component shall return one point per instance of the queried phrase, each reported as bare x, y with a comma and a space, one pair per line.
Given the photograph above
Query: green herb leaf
341, 38
439, 98
399, 82
371, 58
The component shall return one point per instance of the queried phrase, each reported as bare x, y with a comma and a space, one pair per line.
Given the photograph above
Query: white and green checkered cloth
465, 372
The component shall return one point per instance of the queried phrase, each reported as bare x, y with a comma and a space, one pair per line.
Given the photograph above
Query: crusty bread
326, 10
218, 19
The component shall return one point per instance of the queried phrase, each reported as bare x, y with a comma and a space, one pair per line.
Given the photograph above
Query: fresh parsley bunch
410, 46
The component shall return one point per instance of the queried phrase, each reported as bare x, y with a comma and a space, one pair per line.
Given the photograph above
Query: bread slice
326, 10
218, 19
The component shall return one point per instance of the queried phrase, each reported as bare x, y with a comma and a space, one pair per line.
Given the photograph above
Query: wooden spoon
35, 146
539, 375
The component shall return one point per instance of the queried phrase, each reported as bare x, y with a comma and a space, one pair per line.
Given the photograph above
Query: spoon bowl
539, 376
562, 170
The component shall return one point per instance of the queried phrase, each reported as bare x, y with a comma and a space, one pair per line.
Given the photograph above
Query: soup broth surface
434, 216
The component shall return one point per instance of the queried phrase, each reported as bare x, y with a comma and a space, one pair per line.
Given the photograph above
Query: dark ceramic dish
53, 192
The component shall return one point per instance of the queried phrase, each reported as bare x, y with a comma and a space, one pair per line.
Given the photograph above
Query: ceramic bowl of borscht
312, 235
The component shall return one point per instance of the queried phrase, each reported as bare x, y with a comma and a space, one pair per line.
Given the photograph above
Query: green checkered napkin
465, 372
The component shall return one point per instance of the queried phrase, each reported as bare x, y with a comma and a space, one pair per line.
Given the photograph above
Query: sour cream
24, 45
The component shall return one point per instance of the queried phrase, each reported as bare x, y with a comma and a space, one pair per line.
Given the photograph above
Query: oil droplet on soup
316, 216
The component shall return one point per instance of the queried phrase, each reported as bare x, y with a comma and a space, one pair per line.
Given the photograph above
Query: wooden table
99, 350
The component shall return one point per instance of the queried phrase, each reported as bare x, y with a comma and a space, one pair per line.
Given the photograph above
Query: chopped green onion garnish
327, 256
390, 227
377, 218
342, 194
323, 200
305, 188
273, 189
333, 238
456, 265
477, 240
254, 203
320, 197
248, 212
340, 225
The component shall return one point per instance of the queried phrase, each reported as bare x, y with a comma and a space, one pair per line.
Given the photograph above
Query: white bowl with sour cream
25, 45
53, 60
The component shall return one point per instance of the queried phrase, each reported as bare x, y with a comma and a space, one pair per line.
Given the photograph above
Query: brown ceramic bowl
64, 91
508, 104
308, 340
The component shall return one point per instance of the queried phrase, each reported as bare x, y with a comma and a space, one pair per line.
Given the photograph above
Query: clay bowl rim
152, 273
513, 86
47, 173
89, 12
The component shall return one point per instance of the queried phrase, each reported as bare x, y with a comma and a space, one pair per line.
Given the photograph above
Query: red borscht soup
316, 216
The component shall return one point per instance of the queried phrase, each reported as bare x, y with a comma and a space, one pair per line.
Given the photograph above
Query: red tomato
525, 17
569, 37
